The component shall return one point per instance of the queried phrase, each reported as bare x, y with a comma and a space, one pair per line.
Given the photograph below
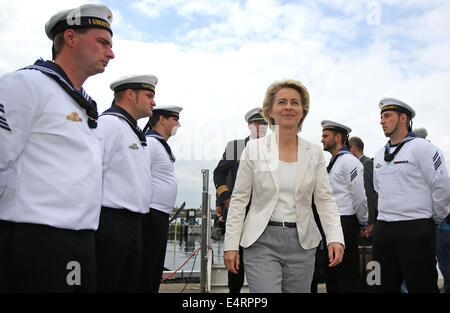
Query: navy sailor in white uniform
51, 159
126, 184
155, 224
346, 175
413, 189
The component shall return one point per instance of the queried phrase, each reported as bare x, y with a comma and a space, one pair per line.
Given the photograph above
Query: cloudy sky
216, 58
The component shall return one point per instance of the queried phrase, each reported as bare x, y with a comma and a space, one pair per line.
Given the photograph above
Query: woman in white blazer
280, 173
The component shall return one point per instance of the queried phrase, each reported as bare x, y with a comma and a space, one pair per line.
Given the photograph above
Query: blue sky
216, 59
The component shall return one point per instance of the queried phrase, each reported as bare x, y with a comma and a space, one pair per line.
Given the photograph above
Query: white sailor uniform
413, 196
126, 177
127, 189
50, 190
126, 198
50, 159
164, 180
155, 225
50, 171
414, 185
346, 175
347, 182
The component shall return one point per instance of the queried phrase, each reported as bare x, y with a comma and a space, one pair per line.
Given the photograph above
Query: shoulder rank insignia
378, 165
133, 146
74, 117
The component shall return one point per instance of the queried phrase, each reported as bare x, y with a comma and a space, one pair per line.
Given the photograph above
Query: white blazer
258, 178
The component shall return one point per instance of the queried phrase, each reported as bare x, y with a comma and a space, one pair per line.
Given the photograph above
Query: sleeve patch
3, 121
437, 160
353, 174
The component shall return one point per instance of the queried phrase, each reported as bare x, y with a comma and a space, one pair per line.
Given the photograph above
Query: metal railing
206, 226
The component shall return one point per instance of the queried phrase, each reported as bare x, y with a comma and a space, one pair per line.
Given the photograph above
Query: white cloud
125, 28
152, 8
155, 8
207, 8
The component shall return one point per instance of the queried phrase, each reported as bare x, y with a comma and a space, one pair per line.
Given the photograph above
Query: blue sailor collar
409, 136
342, 151
56, 72
153, 133
388, 157
53, 69
123, 114
119, 111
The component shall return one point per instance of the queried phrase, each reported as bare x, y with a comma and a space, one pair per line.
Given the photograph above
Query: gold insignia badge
134, 146
378, 165
74, 117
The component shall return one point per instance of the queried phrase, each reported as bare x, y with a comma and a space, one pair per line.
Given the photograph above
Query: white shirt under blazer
258, 178
50, 161
126, 167
414, 185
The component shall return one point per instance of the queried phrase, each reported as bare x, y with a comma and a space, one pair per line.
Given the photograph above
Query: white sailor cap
146, 82
392, 104
167, 110
87, 15
330, 125
254, 115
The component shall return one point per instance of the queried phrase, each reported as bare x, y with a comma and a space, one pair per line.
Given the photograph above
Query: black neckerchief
388, 157
343, 150
147, 126
153, 133
56, 72
123, 114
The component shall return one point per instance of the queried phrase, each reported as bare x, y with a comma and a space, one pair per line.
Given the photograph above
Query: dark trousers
406, 251
119, 250
320, 266
236, 281
41, 258
345, 276
443, 255
155, 229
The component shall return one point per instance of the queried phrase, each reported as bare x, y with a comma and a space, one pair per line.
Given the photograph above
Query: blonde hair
274, 88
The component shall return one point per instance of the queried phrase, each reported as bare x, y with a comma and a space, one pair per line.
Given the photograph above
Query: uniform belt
283, 224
